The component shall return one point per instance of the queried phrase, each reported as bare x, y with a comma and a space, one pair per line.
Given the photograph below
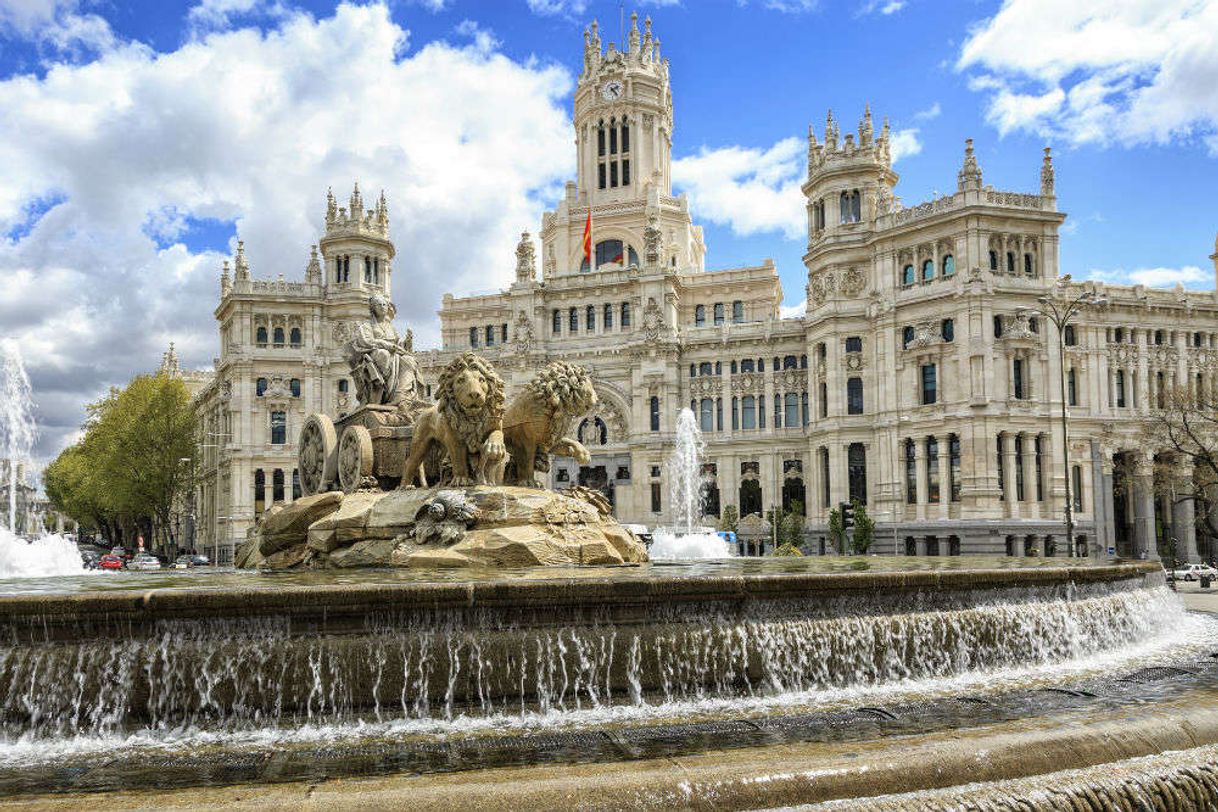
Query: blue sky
141, 139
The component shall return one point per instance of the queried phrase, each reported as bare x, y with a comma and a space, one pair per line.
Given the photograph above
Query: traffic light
847, 509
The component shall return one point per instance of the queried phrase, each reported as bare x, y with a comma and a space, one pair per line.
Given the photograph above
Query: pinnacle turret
969, 176
1046, 174
240, 262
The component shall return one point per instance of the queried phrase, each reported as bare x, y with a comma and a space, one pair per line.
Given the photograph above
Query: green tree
864, 530
133, 459
837, 533
729, 519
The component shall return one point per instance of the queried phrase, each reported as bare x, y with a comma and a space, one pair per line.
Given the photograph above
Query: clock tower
623, 117
623, 139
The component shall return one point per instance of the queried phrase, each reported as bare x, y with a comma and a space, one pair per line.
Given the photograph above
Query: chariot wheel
354, 458
316, 455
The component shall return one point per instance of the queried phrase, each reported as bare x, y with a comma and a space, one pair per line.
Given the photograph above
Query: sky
140, 140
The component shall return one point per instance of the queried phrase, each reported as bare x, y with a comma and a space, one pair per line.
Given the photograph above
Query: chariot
365, 449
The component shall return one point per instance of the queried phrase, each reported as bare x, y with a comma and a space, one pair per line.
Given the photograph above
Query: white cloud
249, 128
793, 311
792, 6
1190, 276
882, 6
213, 15
929, 113
750, 190
55, 23
483, 38
904, 143
1099, 72
576, 8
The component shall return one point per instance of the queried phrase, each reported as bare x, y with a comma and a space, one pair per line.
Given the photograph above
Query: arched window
655, 413
705, 368
278, 336
856, 207
733, 367
993, 260
907, 337
911, 473
1028, 266
612, 252
706, 415
747, 365
1158, 336
473, 336
367, 269
607, 318
907, 275
699, 315
490, 335
761, 365
260, 336
1068, 336
294, 386
343, 385
693, 370
625, 314
737, 311
1120, 388
854, 396
376, 270
590, 318
748, 412
718, 313
277, 485
718, 367
949, 265
556, 322
260, 387
948, 330
294, 337
998, 327
790, 417
928, 270
803, 362
843, 203
573, 320
1010, 262
790, 362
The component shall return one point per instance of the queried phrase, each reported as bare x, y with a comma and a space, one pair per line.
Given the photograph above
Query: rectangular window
655, 414
503, 333
600, 141
929, 392
613, 173
1076, 488
932, 470
1018, 468
279, 428
1072, 387
825, 490
600, 176
1040, 490
824, 399
953, 467
856, 472
761, 412
1017, 381
911, 473
490, 335
854, 396
625, 314
607, 319
854, 344
473, 336
791, 416
735, 415
718, 313
573, 320
1120, 388
655, 497
613, 141
590, 318
556, 318
748, 412
625, 171
625, 138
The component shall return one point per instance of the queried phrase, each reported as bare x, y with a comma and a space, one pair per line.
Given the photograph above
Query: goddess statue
382, 366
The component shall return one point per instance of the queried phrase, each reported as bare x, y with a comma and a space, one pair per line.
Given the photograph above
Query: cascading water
685, 488
17, 432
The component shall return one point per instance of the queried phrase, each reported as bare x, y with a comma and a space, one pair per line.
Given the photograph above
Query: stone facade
920, 380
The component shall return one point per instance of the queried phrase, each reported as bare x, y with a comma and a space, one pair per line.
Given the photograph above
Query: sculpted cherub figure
466, 421
540, 415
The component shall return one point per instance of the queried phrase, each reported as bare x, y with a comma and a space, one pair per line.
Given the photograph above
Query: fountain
684, 540
17, 427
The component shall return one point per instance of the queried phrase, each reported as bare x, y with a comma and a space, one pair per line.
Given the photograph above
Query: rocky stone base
501, 526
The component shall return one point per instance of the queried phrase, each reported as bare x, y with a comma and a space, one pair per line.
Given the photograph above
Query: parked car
200, 561
143, 561
110, 562
1192, 572
90, 559
183, 562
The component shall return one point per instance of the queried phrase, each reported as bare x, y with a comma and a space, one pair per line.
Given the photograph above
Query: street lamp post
1061, 311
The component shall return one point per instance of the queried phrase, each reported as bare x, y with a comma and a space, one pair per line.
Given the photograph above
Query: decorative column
1144, 510
923, 484
1008, 474
1029, 475
1182, 519
945, 488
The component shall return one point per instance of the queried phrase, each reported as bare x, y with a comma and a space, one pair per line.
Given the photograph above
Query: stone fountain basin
515, 527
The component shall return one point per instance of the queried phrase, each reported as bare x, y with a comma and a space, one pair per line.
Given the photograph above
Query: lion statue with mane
466, 422
540, 415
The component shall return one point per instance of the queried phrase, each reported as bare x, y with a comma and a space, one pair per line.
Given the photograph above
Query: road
1198, 599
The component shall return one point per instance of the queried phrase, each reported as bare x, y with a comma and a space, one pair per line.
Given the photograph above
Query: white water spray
685, 490
46, 555
17, 432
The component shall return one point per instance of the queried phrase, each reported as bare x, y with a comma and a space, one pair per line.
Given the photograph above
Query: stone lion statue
540, 415
466, 422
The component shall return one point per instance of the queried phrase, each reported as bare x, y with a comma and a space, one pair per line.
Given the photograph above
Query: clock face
612, 90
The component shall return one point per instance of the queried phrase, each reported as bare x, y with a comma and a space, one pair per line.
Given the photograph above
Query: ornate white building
921, 381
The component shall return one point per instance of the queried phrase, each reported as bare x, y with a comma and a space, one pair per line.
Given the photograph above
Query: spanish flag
588, 239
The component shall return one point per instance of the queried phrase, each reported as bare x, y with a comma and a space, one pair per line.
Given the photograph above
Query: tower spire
243, 266
865, 129
1046, 174
969, 176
